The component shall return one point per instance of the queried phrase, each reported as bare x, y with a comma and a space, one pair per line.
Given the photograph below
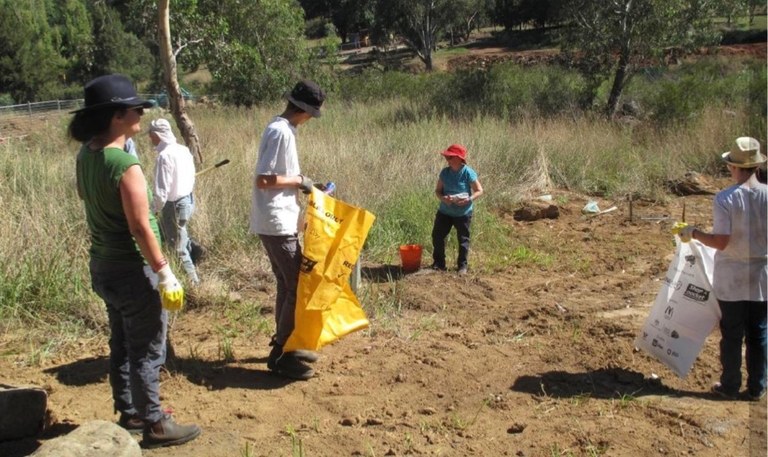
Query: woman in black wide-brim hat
125, 257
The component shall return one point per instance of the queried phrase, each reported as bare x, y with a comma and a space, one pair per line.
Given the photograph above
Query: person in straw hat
125, 257
740, 279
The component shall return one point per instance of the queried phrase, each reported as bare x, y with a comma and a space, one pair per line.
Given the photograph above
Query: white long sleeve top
174, 173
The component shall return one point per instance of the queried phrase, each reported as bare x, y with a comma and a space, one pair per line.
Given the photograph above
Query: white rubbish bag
685, 311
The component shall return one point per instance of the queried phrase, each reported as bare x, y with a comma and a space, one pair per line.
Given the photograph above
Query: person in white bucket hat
173, 199
740, 282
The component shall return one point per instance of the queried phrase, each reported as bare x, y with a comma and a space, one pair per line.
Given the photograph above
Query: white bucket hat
162, 128
745, 153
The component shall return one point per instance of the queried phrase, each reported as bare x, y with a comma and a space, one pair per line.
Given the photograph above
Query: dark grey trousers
138, 326
284, 254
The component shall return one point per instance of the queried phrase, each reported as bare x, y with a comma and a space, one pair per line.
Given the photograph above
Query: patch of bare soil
525, 361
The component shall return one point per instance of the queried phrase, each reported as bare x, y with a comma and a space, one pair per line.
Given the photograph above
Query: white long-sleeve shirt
174, 173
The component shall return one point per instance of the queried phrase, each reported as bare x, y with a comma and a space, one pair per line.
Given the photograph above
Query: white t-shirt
174, 173
276, 211
741, 269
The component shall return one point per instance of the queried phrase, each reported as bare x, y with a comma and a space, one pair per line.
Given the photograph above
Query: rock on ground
92, 439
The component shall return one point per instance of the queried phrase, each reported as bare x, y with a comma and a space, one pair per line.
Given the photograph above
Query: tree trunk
619, 80
175, 99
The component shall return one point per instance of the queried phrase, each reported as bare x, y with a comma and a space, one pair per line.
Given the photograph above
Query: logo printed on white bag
669, 312
691, 259
672, 283
696, 293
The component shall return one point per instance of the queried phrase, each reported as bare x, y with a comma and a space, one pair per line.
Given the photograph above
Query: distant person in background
130, 148
125, 257
740, 282
174, 183
275, 218
457, 188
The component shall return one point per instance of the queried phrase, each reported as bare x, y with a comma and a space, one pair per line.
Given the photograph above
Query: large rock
22, 411
92, 439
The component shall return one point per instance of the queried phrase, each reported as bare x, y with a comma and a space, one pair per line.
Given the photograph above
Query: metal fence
15, 115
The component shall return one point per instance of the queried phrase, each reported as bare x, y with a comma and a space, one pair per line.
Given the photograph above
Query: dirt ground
525, 361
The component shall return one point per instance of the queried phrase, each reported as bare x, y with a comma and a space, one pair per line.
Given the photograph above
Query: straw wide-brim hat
745, 153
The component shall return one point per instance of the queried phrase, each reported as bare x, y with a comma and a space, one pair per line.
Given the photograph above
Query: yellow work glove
171, 292
683, 230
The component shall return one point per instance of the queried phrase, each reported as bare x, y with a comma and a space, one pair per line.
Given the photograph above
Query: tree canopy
255, 49
613, 38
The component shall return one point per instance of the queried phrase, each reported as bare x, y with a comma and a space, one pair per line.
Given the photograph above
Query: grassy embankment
382, 152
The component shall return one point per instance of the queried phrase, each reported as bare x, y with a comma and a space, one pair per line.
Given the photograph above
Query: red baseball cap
456, 150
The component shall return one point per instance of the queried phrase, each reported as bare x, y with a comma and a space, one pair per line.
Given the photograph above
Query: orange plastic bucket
410, 257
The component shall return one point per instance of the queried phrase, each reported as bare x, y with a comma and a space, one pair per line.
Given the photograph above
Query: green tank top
98, 181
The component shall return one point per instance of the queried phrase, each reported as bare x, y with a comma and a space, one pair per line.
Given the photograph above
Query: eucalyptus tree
614, 38
260, 49
420, 23
467, 16
175, 99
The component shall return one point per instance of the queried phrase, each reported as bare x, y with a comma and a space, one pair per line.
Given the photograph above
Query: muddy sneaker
723, 392
304, 355
166, 432
437, 267
131, 423
290, 366
462, 271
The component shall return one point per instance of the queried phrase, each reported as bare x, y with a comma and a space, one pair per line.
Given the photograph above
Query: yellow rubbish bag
326, 306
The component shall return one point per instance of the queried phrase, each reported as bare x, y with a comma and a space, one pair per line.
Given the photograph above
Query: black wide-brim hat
111, 90
308, 96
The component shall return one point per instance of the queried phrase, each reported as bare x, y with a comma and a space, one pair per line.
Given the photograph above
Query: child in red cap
457, 187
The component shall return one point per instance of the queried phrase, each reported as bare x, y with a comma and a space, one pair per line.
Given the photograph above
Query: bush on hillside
679, 94
510, 90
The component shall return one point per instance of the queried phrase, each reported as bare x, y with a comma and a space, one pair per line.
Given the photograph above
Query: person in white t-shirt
740, 282
173, 199
275, 218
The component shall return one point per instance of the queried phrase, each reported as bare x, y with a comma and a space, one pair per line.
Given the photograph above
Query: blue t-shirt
457, 182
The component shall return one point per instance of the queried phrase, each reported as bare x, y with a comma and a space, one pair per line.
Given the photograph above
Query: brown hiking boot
132, 423
166, 432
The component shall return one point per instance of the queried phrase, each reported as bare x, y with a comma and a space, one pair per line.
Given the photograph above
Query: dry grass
383, 157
